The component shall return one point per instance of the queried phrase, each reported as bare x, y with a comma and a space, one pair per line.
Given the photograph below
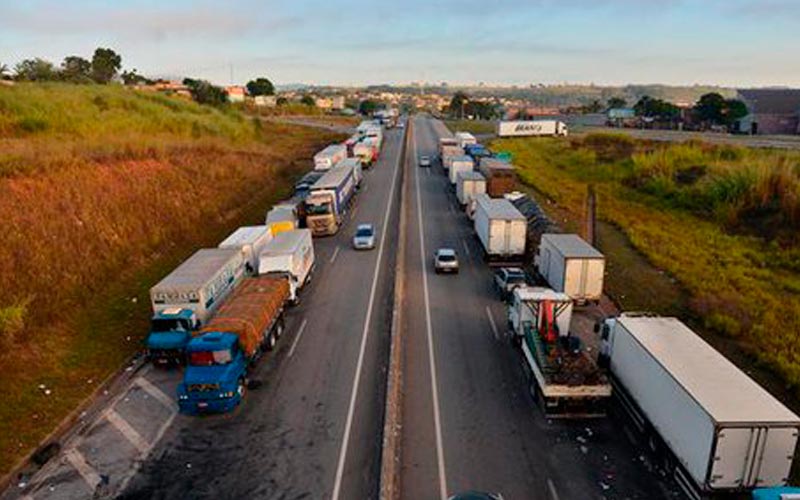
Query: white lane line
492, 323
297, 337
428, 171
335, 253
431, 356
156, 393
337, 484
137, 464
129, 432
552, 488
466, 247
86, 471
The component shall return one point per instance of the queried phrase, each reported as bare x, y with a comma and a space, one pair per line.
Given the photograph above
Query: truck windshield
167, 325
210, 358
514, 277
323, 209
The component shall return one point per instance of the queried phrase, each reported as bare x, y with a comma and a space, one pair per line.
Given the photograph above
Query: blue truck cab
477, 151
215, 378
170, 331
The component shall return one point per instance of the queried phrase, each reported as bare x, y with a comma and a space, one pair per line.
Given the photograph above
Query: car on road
401, 125
424, 161
445, 260
364, 239
506, 279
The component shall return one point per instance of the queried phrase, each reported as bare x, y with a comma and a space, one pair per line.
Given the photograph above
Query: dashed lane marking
335, 253
87, 472
552, 488
297, 337
156, 393
492, 323
128, 431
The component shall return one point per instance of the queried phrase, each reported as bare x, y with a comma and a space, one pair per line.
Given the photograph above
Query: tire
271, 341
279, 329
241, 388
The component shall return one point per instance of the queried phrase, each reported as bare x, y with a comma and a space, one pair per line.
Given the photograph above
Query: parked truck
330, 156
501, 230
465, 139
458, 165
713, 428
303, 186
355, 165
329, 198
249, 240
222, 354
187, 297
284, 217
448, 153
499, 176
291, 255
477, 152
572, 266
366, 150
447, 142
468, 186
564, 380
535, 128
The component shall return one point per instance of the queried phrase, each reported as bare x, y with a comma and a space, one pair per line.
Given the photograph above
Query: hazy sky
729, 42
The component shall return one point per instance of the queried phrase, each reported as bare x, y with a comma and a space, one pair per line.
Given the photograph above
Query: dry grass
92, 218
471, 126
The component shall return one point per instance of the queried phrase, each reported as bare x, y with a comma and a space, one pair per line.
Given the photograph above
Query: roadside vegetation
103, 190
472, 126
723, 221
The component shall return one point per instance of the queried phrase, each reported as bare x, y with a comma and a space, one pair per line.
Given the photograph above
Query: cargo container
355, 165
249, 240
714, 428
532, 128
290, 254
572, 266
282, 217
303, 186
499, 176
465, 139
366, 151
468, 186
447, 142
330, 196
459, 164
500, 228
330, 156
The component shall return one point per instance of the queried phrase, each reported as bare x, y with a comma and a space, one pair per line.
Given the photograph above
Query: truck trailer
458, 165
501, 230
564, 380
447, 142
222, 354
572, 266
535, 128
328, 200
468, 186
355, 165
330, 156
290, 254
283, 217
465, 139
249, 240
499, 176
713, 428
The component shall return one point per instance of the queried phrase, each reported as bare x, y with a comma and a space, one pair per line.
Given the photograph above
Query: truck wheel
279, 329
271, 341
241, 388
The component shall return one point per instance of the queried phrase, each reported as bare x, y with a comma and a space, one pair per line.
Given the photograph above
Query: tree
260, 86
308, 100
131, 77
76, 69
5, 72
616, 103
656, 109
593, 107
105, 65
456, 106
281, 101
713, 109
36, 70
204, 92
736, 110
367, 107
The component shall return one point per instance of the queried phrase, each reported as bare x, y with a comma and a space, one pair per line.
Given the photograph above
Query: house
338, 102
236, 93
267, 101
772, 111
323, 103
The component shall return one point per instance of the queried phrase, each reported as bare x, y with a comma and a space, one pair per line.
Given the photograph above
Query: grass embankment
472, 126
723, 221
103, 191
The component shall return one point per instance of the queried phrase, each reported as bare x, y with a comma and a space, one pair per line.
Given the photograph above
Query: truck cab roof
174, 313
212, 341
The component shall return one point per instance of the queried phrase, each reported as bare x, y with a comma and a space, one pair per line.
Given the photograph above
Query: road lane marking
552, 488
86, 471
466, 248
297, 337
431, 355
335, 253
138, 463
337, 485
131, 434
492, 323
156, 393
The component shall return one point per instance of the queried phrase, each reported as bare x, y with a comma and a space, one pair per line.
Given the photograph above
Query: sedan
364, 239
424, 161
445, 260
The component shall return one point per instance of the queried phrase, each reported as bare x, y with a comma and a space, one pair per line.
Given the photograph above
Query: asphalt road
305, 433
468, 421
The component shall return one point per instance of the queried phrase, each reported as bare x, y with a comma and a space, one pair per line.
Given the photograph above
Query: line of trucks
222, 309
714, 429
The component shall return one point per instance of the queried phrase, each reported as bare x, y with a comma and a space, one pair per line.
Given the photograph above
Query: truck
469, 185
447, 142
499, 176
570, 265
328, 201
458, 165
355, 165
448, 153
366, 150
330, 156
563, 379
291, 255
477, 151
465, 138
222, 354
249, 240
303, 186
712, 427
187, 297
283, 217
501, 230
534, 128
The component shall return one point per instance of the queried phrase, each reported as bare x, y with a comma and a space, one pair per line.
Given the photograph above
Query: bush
610, 147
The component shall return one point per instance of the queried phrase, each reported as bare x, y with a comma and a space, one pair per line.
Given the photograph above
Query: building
337, 102
621, 117
772, 111
236, 93
323, 103
267, 101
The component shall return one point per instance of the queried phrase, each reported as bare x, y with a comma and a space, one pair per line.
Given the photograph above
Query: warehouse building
772, 111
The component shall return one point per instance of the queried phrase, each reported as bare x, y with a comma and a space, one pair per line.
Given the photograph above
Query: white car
445, 260
424, 161
364, 239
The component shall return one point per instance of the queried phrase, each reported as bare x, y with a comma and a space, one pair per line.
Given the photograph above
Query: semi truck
249, 240
222, 354
303, 186
501, 230
458, 165
291, 255
563, 379
355, 165
535, 128
570, 265
330, 156
477, 152
468, 186
187, 297
447, 142
366, 150
712, 427
328, 200
499, 176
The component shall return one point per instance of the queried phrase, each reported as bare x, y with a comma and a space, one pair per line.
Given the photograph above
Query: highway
468, 421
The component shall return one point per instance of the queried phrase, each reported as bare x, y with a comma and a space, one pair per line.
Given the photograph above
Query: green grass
471, 126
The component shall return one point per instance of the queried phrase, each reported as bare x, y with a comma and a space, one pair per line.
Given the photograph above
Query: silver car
445, 260
424, 161
364, 239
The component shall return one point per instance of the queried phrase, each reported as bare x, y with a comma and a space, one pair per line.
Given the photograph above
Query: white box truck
465, 138
447, 142
290, 254
715, 428
356, 165
459, 164
249, 240
572, 266
468, 186
330, 156
501, 228
535, 128
282, 217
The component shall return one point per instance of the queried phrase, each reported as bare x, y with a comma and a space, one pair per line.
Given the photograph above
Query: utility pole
591, 215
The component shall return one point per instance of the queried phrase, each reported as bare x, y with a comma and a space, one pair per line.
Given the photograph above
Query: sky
741, 43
